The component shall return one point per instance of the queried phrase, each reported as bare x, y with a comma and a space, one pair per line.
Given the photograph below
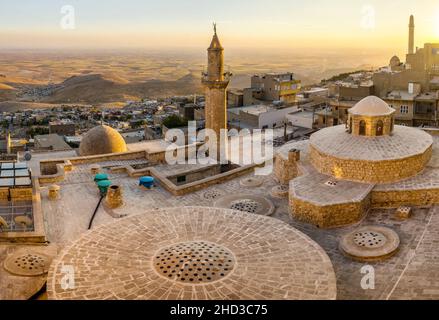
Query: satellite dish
27, 156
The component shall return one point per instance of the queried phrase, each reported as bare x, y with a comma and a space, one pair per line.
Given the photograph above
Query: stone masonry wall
284, 169
369, 171
331, 216
394, 199
371, 124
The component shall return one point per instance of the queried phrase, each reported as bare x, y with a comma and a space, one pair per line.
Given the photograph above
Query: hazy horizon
280, 25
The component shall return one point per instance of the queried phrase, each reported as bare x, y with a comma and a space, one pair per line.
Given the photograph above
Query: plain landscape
40, 78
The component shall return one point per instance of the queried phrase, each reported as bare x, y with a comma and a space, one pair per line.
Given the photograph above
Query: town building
259, 116
235, 98
272, 87
50, 142
421, 66
347, 95
62, 128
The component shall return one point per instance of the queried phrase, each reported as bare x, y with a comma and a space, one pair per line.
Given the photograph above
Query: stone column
114, 197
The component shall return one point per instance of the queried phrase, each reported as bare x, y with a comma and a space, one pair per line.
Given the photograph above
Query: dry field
119, 76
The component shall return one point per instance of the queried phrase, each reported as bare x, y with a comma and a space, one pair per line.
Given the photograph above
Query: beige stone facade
371, 117
286, 169
396, 198
330, 216
371, 126
382, 171
340, 175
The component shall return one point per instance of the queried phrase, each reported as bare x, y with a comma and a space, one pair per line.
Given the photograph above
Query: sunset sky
241, 23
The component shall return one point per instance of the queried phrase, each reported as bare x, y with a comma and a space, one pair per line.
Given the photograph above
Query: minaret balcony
208, 81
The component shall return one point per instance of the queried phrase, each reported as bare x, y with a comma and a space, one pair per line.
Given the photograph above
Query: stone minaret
412, 35
216, 81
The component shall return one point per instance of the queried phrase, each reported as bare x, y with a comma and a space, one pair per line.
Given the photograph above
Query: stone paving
272, 260
13, 287
403, 143
68, 219
322, 190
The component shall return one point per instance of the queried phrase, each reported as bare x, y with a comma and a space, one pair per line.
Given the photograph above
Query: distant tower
412, 35
216, 81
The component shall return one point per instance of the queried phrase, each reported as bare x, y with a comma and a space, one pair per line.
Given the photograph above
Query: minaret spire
216, 81
412, 35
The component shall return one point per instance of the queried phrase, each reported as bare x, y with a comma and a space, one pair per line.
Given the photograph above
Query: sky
317, 24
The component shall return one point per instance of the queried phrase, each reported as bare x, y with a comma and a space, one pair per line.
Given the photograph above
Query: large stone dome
102, 140
371, 106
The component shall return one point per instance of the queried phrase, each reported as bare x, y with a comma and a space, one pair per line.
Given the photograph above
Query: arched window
350, 125
362, 129
392, 125
379, 128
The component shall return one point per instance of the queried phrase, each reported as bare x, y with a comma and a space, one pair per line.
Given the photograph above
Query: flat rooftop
257, 109
322, 190
53, 141
401, 95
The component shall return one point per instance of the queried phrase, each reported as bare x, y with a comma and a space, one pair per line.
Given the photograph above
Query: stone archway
379, 128
362, 128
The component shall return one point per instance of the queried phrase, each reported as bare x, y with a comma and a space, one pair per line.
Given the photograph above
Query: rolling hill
98, 88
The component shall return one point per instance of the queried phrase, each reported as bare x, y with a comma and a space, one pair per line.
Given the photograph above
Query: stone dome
395, 61
371, 117
371, 106
102, 140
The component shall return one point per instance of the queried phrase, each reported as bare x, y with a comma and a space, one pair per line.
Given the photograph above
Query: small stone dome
371, 106
371, 117
395, 61
102, 140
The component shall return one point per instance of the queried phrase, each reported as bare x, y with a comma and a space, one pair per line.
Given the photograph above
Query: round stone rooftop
194, 253
403, 143
371, 106
102, 140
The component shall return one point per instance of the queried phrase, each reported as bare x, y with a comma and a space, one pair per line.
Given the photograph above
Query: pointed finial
214, 27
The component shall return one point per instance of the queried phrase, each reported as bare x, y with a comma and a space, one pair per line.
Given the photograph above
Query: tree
36, 131
5, 124
174, 121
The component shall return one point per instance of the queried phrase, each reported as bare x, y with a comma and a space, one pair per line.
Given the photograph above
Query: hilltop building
62, 128
346, 96
271, 87
50, 142
409, 87
421, 66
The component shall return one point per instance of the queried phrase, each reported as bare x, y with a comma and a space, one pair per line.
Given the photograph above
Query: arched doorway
362, 129
379, 128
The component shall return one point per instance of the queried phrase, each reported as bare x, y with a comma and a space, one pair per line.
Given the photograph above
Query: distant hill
7, 92
98, 88
4, 86
13, 106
